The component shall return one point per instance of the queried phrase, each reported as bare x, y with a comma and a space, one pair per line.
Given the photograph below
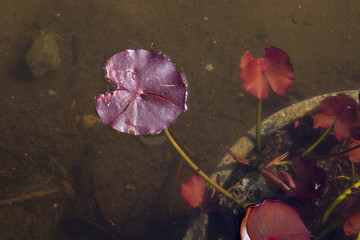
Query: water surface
108, 183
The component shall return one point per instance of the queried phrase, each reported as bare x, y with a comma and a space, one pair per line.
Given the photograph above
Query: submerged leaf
196, 193
340, 110
354, 155
273, 68
352, 223
312, 179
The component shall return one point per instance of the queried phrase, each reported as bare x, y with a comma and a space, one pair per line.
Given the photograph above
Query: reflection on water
74, 178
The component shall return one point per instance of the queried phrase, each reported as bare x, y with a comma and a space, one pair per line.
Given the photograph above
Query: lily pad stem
336, 202
201, 173
315, 144
258, 126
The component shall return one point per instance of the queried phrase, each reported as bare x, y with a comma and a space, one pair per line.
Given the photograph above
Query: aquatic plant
339, 111
274, 69
273, 220
151, 93
352, 223
196, 193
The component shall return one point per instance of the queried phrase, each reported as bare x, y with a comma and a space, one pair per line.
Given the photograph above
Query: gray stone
43, 55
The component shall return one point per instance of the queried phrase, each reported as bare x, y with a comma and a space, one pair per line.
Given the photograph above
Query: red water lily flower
196, 193
352, 223
342, 112
273, 220
273, 68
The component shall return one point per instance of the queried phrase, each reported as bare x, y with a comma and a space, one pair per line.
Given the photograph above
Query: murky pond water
64, 175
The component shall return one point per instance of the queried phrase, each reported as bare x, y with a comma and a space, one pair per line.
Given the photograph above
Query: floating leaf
150, 93
273, 220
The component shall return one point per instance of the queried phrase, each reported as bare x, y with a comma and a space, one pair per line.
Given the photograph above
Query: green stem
201, 173
258, 126
315, 144
336, 202
330, 227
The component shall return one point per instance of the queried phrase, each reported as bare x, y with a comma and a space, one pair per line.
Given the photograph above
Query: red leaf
303, 192
309, 173
252, 73
352, 223
197, 194
150, 93
313, 179
236, 157
354, 155
340, 110
273, 68
194, 191
278, 69
322, 120
287, 179
272, 178
273, 220
356, 134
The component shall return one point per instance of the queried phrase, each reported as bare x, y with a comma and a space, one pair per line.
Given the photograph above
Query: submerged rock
43, 55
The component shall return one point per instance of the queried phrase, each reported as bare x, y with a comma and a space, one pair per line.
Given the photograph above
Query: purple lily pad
150, 93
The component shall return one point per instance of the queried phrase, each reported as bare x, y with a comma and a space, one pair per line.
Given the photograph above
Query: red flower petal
273, 220
273, 68
352, 223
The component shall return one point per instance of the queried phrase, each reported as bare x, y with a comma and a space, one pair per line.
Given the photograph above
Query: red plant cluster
310, 183
274, 220
151, 93
340, 111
